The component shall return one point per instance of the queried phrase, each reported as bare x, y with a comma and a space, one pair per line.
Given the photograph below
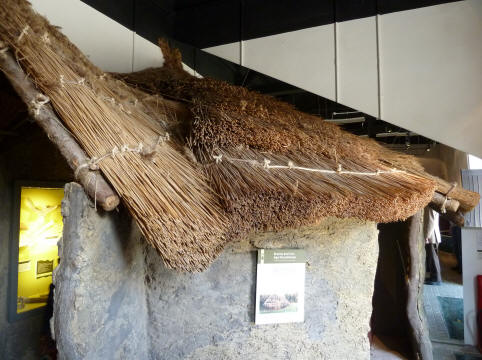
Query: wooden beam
467, 199
441, 205
93, 182
419, 336
456, 217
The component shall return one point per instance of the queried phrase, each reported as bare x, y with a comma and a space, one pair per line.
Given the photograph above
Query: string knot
93, 164
446, 199
45, 38
378, 172
218, 158
115, 151
3, 49
266, 163
443, 210
23, 33
339, 168
38, 102
290, 164
81, 81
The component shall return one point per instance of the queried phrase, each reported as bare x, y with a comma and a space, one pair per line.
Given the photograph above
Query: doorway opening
443, 302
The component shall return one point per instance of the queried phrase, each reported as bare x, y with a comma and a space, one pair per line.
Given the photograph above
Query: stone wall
115, 299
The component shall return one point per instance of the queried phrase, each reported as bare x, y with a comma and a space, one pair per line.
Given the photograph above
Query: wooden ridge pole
93, 182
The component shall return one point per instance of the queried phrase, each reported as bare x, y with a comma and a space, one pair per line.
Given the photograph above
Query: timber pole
93, 182
419, 336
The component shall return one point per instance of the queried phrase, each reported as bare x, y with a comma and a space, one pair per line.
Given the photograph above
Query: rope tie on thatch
146, 152
218, 158
3, 50
443, 209
266, 164
23, 33
113, 102
45, 38
81, 81
38, 102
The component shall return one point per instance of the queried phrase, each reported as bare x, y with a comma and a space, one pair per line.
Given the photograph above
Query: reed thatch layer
251, 128
125, 137
258, 198
211, 181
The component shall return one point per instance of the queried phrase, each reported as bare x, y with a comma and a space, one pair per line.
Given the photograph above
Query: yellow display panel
40, 228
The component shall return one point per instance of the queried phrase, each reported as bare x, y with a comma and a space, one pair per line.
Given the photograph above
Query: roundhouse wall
115, 298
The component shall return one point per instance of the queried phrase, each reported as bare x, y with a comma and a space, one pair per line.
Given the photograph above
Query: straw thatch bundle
216, 161
166, 194
276, 167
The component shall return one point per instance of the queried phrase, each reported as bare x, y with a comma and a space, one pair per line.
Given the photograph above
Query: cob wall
115, 298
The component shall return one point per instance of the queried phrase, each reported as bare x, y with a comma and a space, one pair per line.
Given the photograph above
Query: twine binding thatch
276, 167
235, 161
167, 195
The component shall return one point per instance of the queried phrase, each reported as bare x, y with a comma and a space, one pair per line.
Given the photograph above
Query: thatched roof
235, 161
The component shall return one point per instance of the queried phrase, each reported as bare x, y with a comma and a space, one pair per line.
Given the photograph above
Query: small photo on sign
280, 286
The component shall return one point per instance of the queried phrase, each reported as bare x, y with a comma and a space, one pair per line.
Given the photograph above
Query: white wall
108, 44
419, 69
430, 72
357, 70
472, 266
474, 162
290, 57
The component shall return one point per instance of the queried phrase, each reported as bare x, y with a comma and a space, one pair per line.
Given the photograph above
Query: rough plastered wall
115, 299
99, 304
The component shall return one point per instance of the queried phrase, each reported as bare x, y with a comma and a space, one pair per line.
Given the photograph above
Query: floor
444, 348
451, 287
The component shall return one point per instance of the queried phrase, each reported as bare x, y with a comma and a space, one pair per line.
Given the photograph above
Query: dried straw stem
258, 198
94, 183
241, 124
174, 208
